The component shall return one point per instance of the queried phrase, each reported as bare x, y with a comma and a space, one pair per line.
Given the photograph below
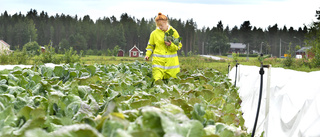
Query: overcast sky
206, 13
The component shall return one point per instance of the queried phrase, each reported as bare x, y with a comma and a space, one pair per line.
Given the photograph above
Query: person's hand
168, 43
146, 58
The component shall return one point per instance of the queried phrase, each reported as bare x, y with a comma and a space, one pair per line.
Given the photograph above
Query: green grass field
197, 62
108, 60
190, 63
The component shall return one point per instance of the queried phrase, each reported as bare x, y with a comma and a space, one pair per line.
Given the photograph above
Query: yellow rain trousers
165, 62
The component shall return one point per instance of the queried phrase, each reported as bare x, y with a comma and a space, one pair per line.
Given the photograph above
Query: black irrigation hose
228, 68
261, 72
235, 80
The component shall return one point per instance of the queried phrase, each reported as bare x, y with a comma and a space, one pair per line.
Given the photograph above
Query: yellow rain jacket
165, 62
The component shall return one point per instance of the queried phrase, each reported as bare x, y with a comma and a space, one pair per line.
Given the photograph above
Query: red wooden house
120, 53
304, 51
43, 49
135, 52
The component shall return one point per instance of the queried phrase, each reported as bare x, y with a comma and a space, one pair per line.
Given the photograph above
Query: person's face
162, 24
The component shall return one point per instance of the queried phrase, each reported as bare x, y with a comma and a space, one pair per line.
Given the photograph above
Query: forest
83, 33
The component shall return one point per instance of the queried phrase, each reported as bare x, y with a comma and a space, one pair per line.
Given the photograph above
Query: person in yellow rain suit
165, 62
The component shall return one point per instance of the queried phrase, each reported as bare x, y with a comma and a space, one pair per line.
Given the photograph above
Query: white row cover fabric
294, 109
212, 57
10, 67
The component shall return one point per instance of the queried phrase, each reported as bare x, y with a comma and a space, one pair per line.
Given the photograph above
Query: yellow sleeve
174, 47
150, 47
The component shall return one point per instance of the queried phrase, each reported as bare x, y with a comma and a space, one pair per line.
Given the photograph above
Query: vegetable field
117, 101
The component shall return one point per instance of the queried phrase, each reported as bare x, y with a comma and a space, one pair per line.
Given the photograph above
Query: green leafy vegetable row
117, 101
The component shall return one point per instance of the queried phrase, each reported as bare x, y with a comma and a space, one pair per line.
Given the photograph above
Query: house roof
237, 45
4, 43
133, 48
303, 49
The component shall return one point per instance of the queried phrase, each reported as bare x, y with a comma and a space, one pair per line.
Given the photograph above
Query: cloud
220, 2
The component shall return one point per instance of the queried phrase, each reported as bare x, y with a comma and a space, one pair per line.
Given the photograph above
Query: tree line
65, 31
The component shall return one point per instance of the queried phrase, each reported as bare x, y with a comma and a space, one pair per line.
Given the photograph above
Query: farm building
135, 52
237, 48
4, 47
120, 53
43, 49
303, 51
